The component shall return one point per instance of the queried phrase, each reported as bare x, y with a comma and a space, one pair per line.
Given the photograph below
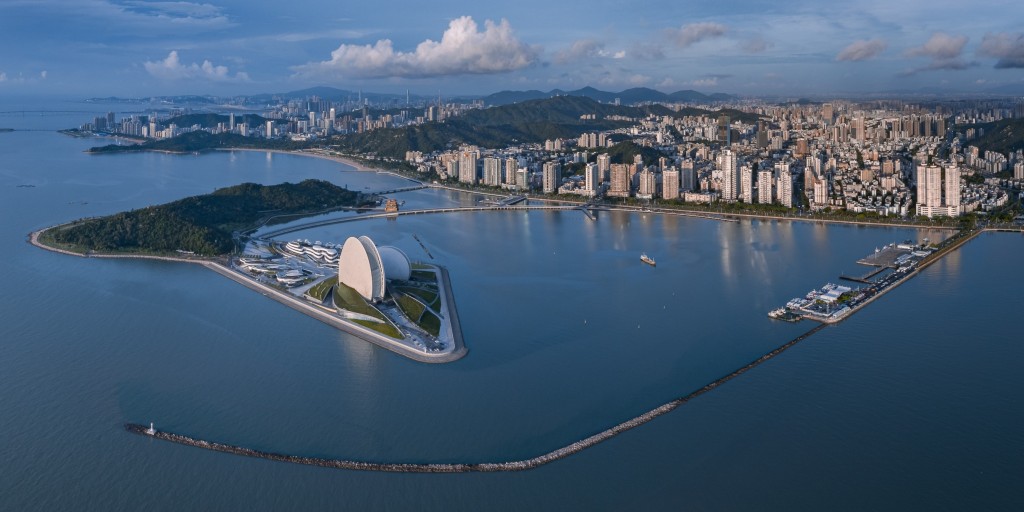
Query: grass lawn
426, 295
385, 329
410, 306
424, 275
430, 323
348, 299
320, 291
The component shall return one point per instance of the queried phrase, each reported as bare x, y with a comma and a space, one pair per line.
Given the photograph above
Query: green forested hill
202, 141
201, 224
1004, 136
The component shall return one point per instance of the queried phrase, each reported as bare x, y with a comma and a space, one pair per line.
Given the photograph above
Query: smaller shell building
365, 267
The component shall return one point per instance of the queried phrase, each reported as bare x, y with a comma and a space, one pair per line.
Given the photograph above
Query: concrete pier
471, 467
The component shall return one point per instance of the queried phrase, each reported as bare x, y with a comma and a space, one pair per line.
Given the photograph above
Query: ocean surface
911, 404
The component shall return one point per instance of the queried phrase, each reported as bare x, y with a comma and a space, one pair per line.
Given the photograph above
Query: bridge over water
455, 209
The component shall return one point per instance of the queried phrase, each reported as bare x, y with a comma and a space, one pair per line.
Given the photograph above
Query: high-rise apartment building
746, 184
783, 184
467, 167
764, 185
552, 177
492, 172
670, 183
730, 175
620, 182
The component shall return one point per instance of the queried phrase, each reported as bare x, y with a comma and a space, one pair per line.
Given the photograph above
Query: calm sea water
912, 403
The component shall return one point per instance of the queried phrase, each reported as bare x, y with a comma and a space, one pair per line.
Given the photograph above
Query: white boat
647, 259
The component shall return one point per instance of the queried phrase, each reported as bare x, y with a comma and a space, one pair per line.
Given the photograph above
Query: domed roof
396, 263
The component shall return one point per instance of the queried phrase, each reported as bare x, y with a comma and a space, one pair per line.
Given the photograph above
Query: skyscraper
687, 176
511, 166
746, 184
592, 180
670, 183
604, 166
467, 167
730, 178
619, 185
552, 177
648, 184
492, 172
783, 184
764, 185
938, 190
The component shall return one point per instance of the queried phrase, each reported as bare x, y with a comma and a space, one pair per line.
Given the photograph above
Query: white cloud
1008, 48
944, 51
3, 77
710, 81
863, 49
691, 34
639, 79
42, 74
940, 46
581, 49
171, 68
463, 49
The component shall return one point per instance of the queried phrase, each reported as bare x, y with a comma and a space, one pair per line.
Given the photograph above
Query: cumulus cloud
463, 49
944, 51
1008, 48
585, 49
171, 68
688, 35
863, 49
940, 46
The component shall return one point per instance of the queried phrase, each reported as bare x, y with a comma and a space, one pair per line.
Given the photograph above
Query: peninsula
374, 293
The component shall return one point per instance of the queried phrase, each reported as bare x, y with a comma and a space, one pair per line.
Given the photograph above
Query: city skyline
138, 48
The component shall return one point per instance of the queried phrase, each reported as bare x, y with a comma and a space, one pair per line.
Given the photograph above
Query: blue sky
141, 48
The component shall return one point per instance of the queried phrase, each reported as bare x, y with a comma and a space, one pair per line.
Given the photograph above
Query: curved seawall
519, 465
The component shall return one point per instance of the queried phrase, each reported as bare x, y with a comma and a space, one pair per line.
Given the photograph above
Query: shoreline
709, 214
458, 351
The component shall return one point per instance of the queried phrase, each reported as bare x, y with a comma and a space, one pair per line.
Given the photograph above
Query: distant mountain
626, 97
335, 94
524, 122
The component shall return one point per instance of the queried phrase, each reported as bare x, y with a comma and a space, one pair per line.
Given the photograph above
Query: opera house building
365, 267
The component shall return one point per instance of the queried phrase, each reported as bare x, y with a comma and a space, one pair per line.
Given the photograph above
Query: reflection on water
550, 305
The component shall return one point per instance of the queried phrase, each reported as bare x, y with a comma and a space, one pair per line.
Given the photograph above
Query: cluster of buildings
886, 158
883, 157
299, 119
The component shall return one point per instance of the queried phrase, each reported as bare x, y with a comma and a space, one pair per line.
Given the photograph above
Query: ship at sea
647, 259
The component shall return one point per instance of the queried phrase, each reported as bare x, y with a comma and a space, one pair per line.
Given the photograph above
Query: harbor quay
892, 266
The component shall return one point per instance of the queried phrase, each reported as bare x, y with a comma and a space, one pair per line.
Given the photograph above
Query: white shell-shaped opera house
363, 267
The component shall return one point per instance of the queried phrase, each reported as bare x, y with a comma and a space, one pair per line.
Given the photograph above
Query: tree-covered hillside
201, 224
